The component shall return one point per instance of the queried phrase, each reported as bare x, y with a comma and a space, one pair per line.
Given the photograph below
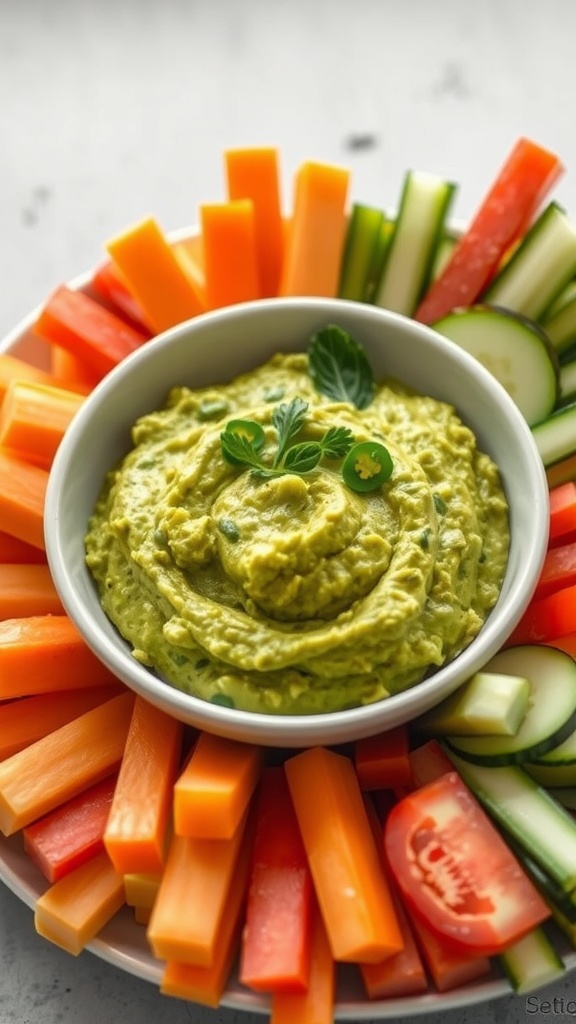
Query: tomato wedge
456, 872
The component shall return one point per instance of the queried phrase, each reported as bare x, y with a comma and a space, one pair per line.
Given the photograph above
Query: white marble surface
113, 109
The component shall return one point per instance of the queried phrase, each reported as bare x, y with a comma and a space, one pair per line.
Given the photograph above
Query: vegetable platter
504, 288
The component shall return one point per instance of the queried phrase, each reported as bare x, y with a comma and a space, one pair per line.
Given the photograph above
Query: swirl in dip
295, 594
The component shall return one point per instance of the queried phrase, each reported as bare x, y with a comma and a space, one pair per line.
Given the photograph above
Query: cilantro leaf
336, 442
339, 367
288, 419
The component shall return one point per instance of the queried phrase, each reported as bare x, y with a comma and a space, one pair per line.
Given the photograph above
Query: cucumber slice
547, 886
552, 776
424, 206
489, 703
514, 349
542, 827
540, 268
555, 436
532, 962
550, 718
362, 248
562, 753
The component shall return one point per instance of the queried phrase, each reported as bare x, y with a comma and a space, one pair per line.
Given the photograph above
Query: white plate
123, 943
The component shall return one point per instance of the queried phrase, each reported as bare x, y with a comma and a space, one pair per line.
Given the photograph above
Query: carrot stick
276, 941
403, 973
382, 761
192, 263
14, 551
154, 276
41, 653
316, 237
22, 496
27, 589
198, 882
213, 791
343, 857
71, 371
140, 890
34, 418
315, 1005
71, 834
73, 910
254, 174
14, 368
57, 767
81, 325
27, 719
206, 984
230, 258
135, 836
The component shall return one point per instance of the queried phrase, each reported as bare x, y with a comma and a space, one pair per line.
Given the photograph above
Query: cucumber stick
488, 703
532, 962
555, 436
541, 826
514, 349
550, 718
419, 226
539, 269
363, 252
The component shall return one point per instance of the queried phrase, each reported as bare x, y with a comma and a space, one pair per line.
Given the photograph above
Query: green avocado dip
282, 590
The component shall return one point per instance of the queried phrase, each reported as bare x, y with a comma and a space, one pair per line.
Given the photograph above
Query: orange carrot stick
316, 1004
22, 496
198, 882
153, 274
27, 589
316, 237
403, 973
192, 263
140, 890
17, 552
34, 418
27, 719
14, 368
213, 791
343, 857
71, 371
135, 835
230, 260
73, 910
41, 653
206, 984
254, 174
57, 767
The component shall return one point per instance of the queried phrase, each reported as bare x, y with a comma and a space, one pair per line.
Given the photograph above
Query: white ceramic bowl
214, 348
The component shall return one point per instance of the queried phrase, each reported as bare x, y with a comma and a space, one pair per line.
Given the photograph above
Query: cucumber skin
518, 756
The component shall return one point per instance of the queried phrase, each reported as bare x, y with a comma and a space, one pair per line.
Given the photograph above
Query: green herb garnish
339, 367
242, 443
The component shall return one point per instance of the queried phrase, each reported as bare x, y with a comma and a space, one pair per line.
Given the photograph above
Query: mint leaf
339, 367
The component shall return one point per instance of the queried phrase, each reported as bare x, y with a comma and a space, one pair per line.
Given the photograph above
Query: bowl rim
325, 727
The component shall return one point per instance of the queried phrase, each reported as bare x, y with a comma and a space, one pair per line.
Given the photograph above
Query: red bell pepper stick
276, 942
558, 570
81, 325
503, 216
70, 835
382, 761
546, 618
562, 511
315, 1005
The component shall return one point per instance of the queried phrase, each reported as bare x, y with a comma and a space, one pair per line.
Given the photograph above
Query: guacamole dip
294, 593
